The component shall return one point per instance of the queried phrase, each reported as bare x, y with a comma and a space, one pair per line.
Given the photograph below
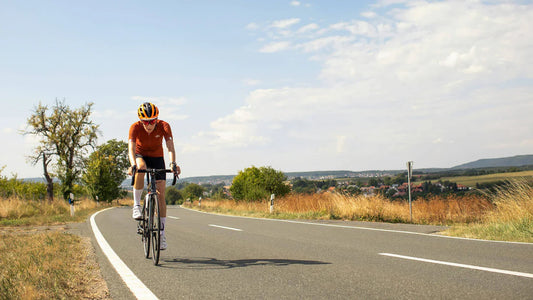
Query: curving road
220, 257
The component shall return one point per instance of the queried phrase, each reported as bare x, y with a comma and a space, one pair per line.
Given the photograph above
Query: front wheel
155, 229
145, 230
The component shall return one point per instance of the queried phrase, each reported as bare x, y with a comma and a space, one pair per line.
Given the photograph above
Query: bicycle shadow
213, 263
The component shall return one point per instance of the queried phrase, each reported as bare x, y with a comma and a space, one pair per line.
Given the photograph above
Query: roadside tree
254, 184
193, 191
173, 196
65, 137
106, 170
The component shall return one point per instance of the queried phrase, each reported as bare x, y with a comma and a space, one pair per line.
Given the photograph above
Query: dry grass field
49, 265
505, 215
39, 262
511, 219
436, 210
472, 180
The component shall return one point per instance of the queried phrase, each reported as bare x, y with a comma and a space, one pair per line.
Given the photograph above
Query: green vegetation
255, 184
17, 188
106, 170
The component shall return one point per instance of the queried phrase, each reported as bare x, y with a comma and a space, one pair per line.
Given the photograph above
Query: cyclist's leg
161, 187
138, 187
160, 177
139, 177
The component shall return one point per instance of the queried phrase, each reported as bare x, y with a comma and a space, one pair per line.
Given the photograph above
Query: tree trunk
49, 180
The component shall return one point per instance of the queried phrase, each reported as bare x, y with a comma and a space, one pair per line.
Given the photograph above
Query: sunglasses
149, 122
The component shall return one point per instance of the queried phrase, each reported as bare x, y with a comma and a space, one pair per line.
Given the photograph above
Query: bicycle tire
145, 232
156, 229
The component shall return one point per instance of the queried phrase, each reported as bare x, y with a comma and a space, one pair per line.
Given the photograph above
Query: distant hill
513, 161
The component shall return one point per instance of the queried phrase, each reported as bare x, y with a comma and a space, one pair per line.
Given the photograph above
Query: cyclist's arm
172, 152
131, 154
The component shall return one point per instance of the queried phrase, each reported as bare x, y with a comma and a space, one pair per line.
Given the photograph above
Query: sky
294, 85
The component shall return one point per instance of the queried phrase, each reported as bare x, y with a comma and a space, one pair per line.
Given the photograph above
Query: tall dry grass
513, 202
435, 210
17, 211
511, 219
16, 208
49, 265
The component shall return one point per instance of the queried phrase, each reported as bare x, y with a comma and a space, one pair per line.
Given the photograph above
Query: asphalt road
220, 257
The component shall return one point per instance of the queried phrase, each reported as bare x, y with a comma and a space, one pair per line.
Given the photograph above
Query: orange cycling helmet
147, 111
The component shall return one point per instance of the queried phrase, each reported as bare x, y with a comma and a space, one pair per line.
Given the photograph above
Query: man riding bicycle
145, 150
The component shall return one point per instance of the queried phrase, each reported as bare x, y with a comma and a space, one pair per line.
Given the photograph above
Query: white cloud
281, 24
252, 26
295, 3
308, 28
334, 42
369, 14
275, 47
423, 81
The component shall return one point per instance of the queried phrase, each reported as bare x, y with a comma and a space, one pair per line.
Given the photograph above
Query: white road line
224, 227
171, 217
521, 274
136, 286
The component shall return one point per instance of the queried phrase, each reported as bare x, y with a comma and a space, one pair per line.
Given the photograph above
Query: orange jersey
150, 145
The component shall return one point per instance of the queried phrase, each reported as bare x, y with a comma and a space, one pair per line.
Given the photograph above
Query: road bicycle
149, 226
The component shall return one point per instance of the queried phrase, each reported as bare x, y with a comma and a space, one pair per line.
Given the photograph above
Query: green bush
255, 184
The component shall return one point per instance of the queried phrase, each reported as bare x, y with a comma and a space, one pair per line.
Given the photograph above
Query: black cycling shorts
155, 163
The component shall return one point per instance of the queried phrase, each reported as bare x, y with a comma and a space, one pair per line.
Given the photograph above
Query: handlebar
152, 171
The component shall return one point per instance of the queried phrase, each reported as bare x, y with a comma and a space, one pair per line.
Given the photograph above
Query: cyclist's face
148, 127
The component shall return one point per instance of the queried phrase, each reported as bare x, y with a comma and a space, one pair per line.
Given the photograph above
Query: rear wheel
156, 229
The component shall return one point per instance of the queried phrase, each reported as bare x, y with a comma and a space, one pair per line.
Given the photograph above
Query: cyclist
145, 150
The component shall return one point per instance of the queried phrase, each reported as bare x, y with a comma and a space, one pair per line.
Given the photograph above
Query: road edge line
465, 266
136, 286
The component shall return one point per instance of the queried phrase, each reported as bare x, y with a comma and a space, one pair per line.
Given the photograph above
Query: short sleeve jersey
150, 145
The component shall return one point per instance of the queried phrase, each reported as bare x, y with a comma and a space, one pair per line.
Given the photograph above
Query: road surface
220, 257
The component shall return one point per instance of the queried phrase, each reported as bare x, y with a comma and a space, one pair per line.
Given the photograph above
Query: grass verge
50, 265
20, 212
510, 220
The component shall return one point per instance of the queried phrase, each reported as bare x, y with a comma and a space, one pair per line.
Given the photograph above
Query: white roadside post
71, 202
272, 203
200, 202
409, 174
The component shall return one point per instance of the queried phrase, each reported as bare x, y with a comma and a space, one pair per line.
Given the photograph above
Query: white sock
137, 194
163, 221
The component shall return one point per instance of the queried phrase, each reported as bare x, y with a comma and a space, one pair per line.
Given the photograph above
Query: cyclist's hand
130, 170
175, 168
